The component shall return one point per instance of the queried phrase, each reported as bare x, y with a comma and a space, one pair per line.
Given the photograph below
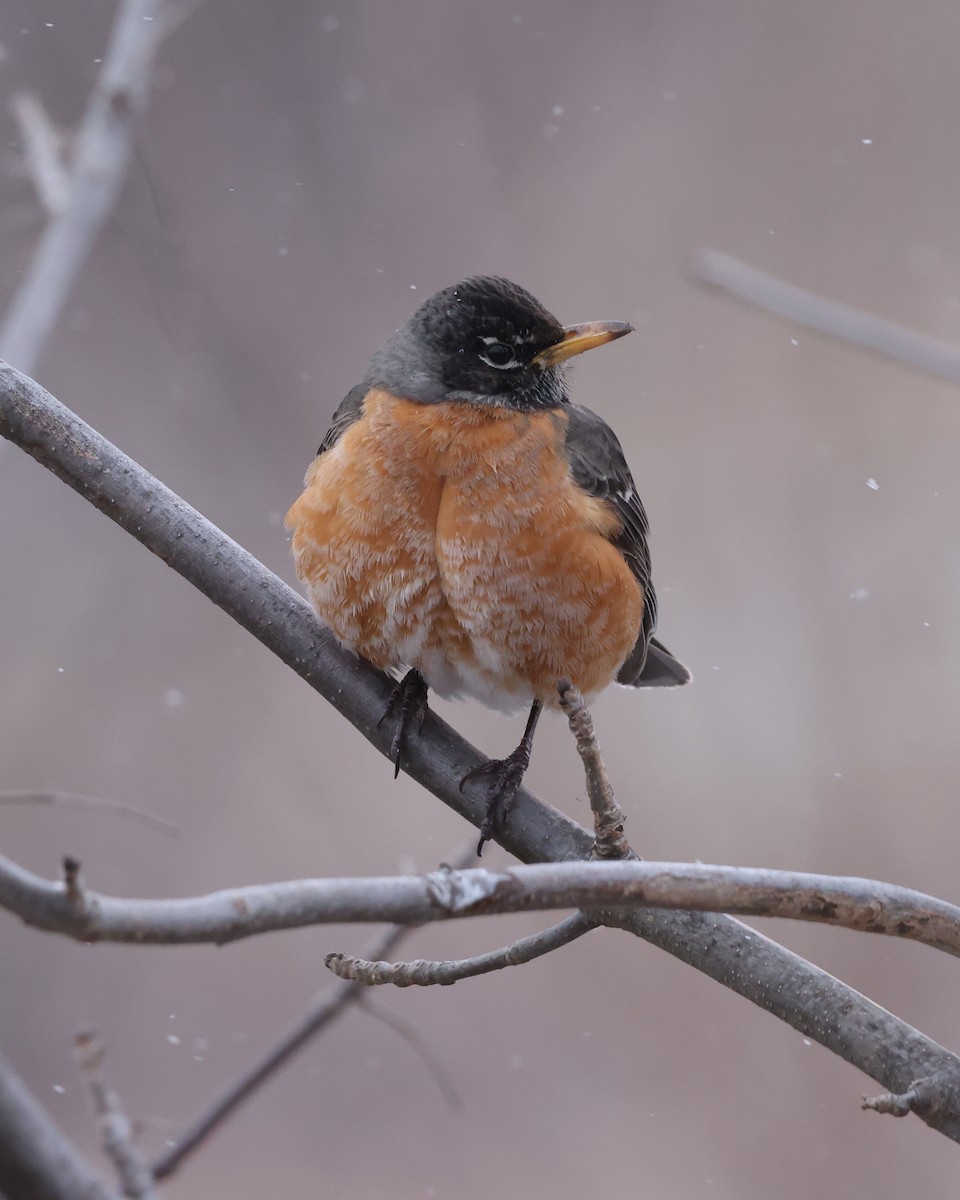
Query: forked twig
81, 202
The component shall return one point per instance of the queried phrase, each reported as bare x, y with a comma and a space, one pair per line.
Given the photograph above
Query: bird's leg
505, 776
407, 706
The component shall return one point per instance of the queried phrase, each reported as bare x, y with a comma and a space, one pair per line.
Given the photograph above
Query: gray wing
348, 411
599, 467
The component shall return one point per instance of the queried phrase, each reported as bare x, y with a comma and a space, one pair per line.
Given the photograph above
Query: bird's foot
503, 777
407, 707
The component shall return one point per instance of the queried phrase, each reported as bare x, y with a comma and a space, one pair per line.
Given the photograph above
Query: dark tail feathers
659, 669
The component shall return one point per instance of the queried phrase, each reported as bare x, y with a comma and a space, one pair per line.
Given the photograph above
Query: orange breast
451, 538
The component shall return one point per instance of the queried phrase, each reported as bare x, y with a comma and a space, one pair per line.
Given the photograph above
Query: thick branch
227, 916
36, 1158
809, 999
841, 321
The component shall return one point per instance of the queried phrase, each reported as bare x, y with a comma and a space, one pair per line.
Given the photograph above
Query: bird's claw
505, 776
407, 706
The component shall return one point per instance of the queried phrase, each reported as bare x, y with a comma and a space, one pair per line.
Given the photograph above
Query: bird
467, 528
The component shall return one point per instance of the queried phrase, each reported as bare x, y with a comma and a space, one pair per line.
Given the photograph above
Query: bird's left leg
407, 706
505, 776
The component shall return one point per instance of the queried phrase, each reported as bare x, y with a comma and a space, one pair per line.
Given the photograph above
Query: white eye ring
497, 366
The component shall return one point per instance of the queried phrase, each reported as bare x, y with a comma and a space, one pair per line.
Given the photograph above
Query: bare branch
810, 1000
841, 321
326, 1008
115, 1127
610, 844
43, 147
418, 1043
73, 800
235, 913
36, 1157
422, 972
322, 1012
608, 817
100, 153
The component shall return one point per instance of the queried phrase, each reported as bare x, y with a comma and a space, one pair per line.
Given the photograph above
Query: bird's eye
497, 354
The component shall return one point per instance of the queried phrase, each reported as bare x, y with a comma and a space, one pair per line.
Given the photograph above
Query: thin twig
100, 153
72, 883
608, 816
417, 1043
327, 1006
842, 321
74, 800
36, 1158
809, 999
422, 972
922, 1097
115, 1128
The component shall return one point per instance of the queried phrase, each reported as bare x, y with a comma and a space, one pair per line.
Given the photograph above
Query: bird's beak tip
577, 338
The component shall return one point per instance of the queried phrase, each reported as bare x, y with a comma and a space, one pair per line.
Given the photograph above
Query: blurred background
306, 174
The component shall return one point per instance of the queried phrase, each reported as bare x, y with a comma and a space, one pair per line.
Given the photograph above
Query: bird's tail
660, 669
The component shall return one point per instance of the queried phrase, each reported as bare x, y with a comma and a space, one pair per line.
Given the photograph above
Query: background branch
324, 1010
74, 800
809, 999
43, 146
329, 1005
36, 1159
80, 203
116, 1130
842, 321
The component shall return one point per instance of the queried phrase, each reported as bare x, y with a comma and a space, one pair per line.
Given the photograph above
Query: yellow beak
577, 338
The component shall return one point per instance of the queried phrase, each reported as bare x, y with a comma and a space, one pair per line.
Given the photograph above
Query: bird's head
485, 341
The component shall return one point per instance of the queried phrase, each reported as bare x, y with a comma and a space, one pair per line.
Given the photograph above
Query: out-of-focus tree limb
781, 982
325, 1009
841, 321
43, 159
116, 1130
36, 1158
80, 200
73, 800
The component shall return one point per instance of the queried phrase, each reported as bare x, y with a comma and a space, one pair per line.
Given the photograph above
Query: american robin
465, 521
